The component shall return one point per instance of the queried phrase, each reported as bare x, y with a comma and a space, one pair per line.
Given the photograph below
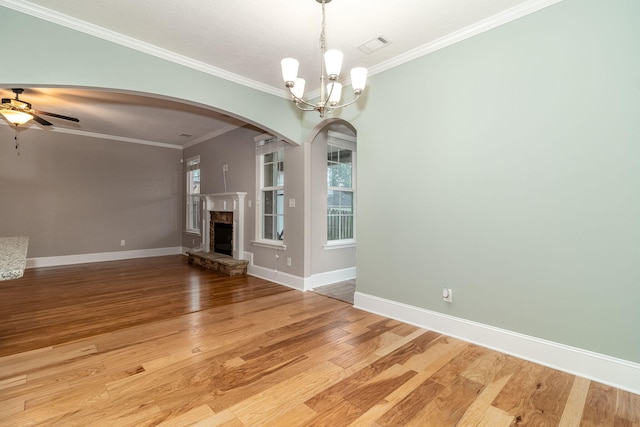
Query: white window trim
346, 142
340, 244
271, 244
265, 144
191, 231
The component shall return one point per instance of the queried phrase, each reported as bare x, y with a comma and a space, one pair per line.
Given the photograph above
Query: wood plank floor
157, 342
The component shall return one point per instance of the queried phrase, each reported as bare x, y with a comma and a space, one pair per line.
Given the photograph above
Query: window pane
279, 227
268, 202
267, 227
279, 208
339, 167
339, 215
346, 201
268, 175
279, 181
193, 220
273, 169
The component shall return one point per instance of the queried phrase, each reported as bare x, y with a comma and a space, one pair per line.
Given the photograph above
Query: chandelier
331, 63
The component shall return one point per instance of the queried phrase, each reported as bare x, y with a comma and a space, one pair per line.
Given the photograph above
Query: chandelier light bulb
358, 79
289, 69
298, 88
334, 89
333, 63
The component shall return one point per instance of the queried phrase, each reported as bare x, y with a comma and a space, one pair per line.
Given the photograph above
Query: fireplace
221, 232
223, 224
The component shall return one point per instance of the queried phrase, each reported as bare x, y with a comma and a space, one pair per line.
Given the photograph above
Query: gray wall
512, 176
237, 149
76, 195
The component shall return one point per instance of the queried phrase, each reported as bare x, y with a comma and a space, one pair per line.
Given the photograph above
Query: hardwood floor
157, 342
343, 291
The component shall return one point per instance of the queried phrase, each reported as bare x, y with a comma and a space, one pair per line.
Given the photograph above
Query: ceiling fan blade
42, 121
73, 119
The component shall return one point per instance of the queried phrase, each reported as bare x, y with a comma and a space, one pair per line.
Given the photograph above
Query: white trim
224, 202
339, 244
210, 135
112, 36
608, 370
105, 34
330, 277
276, 276
102, 256
101, 135
269, 245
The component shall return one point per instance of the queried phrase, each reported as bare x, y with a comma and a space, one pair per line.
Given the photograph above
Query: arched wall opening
328, 261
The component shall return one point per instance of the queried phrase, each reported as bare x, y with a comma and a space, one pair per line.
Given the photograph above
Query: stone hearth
218, 262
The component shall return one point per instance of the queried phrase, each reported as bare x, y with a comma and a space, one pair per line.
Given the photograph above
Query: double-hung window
192, 192
341, 189
270, 159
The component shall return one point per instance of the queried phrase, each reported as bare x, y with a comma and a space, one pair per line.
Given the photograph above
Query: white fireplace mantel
224, 202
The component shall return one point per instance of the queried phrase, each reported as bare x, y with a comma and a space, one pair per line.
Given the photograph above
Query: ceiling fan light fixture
16, 117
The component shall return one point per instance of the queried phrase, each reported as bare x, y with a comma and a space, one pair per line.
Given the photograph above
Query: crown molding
103, 33
457, 36
112, 36
464, 33
210, 135
99, 136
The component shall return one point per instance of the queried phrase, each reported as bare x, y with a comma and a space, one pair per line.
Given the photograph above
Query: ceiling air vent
373, 45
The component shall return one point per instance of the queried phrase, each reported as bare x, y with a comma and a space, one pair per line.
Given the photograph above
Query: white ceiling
244, 41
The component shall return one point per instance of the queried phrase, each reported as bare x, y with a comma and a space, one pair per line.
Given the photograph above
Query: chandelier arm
298, 100
312, 108
333, 107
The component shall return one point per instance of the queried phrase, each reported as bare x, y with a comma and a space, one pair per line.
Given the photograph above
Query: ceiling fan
19, 112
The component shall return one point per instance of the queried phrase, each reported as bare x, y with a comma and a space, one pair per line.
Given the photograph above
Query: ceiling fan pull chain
17, 143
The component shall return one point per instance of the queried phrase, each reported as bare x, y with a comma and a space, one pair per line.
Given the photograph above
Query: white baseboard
605, 369
330, 277
300, 283
276, 276
100, 257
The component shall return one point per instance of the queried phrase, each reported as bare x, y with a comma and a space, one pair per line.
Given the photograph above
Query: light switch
292, 203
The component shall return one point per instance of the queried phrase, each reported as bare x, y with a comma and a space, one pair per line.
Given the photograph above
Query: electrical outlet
447, 295
225, 168
292, 203
288, 262
122, 242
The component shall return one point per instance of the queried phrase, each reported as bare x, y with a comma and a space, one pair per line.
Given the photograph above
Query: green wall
52, 55
507, 167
